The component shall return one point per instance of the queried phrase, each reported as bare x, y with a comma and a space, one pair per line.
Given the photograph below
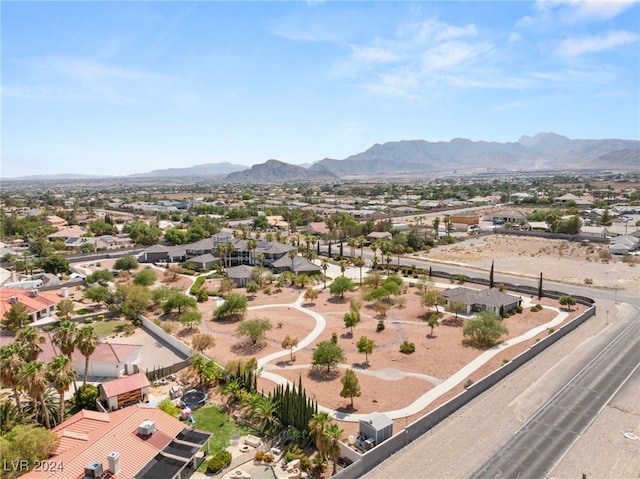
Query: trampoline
194, 398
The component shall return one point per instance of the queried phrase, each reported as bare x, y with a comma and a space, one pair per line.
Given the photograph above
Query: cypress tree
540, 291
491, 276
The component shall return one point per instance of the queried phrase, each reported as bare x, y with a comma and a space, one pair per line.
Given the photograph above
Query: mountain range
542, 152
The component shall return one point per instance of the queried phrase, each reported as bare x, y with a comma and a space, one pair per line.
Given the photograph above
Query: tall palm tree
325, 266
292, 256
220, 250
333, 435
29, 339
251, 246
317, 426
436, 225
398, 249
34, 381
11, 363
359, 263
65, 339
61, 373
86, 342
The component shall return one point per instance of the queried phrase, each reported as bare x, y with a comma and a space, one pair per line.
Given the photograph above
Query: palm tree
220, 250
317, 427
398, 249
265, 413
325, 266
292, 256
251, 246
65, 338
86, 342
29, 340
359, 263
10, 366
351, 243
61, 373
436, 225
35, 383
333, 435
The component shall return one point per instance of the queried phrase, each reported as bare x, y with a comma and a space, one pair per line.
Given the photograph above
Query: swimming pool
259, 471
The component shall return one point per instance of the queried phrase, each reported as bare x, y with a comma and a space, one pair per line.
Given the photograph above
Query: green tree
252, 287
64, 309
146, 277
350, 386
234, 307
86, 342
567, 301
484, 328
178, 301
318, 425
327, 354
341, 285
310, 295
85, 397
136, 301
17, 317
365, 346
191, 318
457, 307
253, 329
126, 263
432, 322
99, 294
351, 318
29, 443
432, 298
54, 264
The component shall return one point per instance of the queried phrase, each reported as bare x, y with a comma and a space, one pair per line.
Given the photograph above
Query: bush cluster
407, 348
219, 460
536, 308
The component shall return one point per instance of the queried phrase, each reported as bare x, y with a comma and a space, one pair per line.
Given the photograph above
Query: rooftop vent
146, 428
33, 293
113, 461
13, 300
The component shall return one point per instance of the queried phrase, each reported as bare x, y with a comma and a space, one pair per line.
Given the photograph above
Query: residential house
623, 245
594, 231
298, 265
63, 234
54, 220
39, 305
485, 300
124, 391
379, 236
241, 274
569, 198
506, 216
108, 360
137, 442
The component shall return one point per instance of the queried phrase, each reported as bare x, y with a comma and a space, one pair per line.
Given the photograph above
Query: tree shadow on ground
336, 300
322, 375
347, 409
452, 321
247, 348
362, 365
347, 335
285, 363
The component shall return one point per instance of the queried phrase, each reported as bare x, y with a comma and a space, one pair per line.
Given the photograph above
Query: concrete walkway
389, 374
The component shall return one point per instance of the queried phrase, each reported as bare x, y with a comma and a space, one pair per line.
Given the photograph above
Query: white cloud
373, 54
549, 13
596, 43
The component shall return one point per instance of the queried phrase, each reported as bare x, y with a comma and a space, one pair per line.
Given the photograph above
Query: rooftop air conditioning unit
146, 428
93, 470
13, 300
33, 293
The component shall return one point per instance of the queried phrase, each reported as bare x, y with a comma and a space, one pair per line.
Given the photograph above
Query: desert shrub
380, 327
407, 348
259, 455
468, 384
551, 330
88, 320
268, 458
267, 290
588, 281
519, 309
219, 460
85, 397
128, 329
505, 361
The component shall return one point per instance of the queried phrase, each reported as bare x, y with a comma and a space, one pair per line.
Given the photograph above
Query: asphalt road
544, 439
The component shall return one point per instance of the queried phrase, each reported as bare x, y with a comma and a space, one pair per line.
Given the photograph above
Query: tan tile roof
90, 436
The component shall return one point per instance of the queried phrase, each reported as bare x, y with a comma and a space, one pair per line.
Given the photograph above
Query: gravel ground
463, 442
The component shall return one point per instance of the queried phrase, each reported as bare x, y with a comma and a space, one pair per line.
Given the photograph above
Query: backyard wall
414, 430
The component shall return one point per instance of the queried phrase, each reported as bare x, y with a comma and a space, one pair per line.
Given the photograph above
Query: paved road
546, 437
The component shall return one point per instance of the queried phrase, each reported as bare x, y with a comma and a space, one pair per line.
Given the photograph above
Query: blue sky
117, 88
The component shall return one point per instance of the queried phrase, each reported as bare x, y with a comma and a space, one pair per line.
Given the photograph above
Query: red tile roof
125, 384
90, 436
39, 302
